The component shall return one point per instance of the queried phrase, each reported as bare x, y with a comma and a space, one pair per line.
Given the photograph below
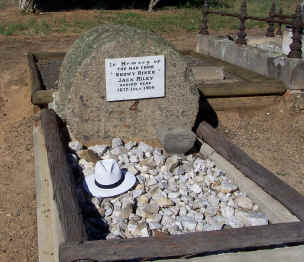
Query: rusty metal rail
295, 21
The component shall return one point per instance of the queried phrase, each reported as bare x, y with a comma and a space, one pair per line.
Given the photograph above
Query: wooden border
76, 247
187, 245
39, 96
210, 90
62, 177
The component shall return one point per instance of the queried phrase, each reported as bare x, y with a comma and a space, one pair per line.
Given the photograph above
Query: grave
281, 204
126, 82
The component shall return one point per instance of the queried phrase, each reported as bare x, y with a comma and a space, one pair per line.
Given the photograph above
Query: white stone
151, 182
174, 194
134, 158
179, 171
114, 236
126, 211
196, 188
143, 199
124, 158
131, 227
156, 192
249, 218
172, 162
211, 210
143, 147
227, 211
148, 154
137, 193
75, 146
167, 221
159, 159
199, 165
99, 149
226, 187
165, 202
134, 218
155, 218
118, 150
255, 208
116, 142
133, 170
244, 203
213, 200
130, 145
183, 211
151, 208
154, 226
188, 223
234, 222
212, 227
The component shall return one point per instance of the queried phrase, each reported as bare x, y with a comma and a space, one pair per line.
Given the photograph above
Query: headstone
148, 87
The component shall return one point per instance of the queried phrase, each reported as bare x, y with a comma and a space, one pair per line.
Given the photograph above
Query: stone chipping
174, 194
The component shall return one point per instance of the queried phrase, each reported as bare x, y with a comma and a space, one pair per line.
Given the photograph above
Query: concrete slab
208, 73
266, 62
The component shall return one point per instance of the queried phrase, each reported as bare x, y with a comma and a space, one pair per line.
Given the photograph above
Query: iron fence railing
295, 21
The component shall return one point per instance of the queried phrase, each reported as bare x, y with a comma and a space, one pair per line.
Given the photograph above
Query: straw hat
108, 180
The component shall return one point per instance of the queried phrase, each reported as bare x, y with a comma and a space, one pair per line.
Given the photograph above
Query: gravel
174, 194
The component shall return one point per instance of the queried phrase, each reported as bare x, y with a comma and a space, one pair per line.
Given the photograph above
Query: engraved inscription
135, 78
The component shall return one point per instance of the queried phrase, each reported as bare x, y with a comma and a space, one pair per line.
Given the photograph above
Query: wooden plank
184, 245
42, 97
232, 103
44, 219
62, 179
241, 88
270, 183
35, 80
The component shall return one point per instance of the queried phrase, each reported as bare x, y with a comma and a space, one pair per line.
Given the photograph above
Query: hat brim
90, 186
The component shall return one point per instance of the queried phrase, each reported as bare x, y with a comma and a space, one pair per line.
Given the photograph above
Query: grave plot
181, 205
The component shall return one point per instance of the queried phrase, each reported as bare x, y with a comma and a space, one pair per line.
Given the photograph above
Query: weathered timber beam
242, 89
62, 179
184, 245
35, 81
270, 183
42, 97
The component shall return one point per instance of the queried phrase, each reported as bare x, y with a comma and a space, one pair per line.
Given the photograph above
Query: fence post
243, 16
270, 30
204, 29
296, 45
279, 31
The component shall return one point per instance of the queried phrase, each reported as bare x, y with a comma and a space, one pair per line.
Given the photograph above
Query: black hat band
112, 185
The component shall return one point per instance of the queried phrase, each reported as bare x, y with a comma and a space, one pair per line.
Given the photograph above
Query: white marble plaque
135, 77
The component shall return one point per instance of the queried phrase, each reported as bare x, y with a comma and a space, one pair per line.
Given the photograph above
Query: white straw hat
108, 180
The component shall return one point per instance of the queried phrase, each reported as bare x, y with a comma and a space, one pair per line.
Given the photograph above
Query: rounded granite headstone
81, 99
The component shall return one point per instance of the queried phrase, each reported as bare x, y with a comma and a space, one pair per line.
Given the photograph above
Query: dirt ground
274, 136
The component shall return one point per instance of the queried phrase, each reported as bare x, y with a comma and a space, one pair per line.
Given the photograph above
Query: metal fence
295, 21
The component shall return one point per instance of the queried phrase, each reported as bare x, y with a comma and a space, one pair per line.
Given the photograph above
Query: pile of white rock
174, 194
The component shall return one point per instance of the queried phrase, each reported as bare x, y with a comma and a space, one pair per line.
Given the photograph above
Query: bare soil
274, 136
